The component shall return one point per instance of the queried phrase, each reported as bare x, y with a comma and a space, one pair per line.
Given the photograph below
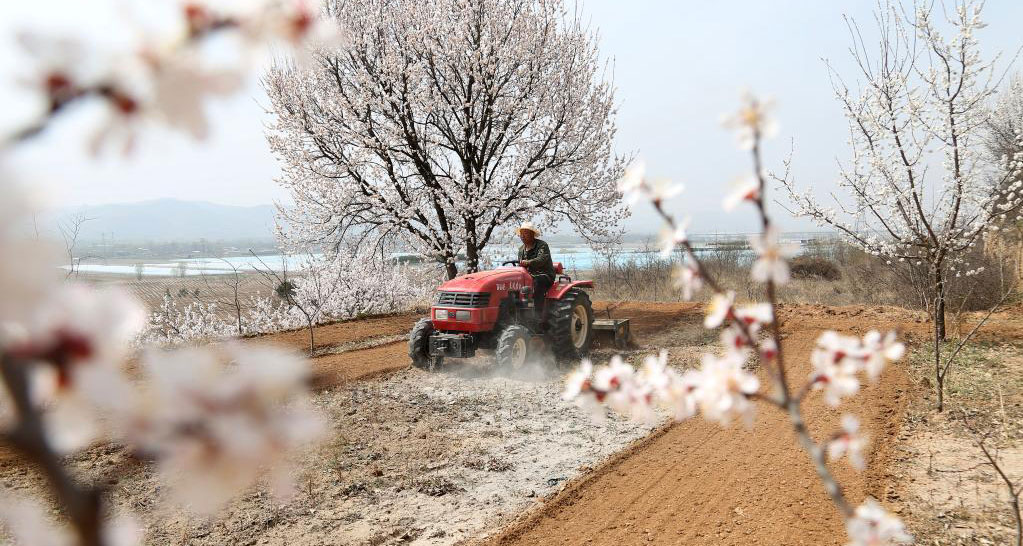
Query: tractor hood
501, 279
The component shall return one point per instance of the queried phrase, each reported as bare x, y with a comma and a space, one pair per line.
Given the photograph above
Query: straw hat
528, 226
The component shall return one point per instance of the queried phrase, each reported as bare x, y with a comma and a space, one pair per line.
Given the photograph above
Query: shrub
812, 267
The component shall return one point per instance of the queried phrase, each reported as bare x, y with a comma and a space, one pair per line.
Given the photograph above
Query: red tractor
494, 310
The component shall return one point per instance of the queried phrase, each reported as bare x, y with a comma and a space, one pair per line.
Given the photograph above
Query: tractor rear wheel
419, 346
513, 347
571, 325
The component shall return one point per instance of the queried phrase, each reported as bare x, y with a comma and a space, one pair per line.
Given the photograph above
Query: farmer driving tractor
512, 311
535, 256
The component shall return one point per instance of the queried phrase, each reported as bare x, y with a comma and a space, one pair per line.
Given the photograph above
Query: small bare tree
70, 229
233, 282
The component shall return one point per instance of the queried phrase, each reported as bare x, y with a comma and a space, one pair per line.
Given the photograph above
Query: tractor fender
559, 289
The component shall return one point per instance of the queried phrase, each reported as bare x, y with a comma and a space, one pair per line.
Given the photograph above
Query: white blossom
838, 359
723, 388
616, 380
631, 184
29, 524
849, 441
671, 238
744, 189
751, 121
662, 189
181, 86
880, 349
734, 339
719, 309
835, 367
771, 265
871, 525
755, 315
30, 271
217, 418
768, 349
578, 381
687, 278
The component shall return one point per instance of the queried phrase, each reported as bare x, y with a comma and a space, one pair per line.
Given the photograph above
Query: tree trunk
452, 270
939, 305
312, 342
472, 258
939, 374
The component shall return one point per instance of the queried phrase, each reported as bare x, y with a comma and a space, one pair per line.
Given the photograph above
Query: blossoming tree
920, 191
722, 388
442, 121
1004, 141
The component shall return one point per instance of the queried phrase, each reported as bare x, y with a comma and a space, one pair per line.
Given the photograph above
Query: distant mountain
173, 220
164, 220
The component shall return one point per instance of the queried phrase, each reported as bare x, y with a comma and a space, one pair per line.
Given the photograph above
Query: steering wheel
510, 262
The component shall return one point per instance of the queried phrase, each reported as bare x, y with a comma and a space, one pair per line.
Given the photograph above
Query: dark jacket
539, 257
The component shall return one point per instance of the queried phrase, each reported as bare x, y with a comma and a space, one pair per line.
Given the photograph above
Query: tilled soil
341, 333
698, 483
453, 456
415, 457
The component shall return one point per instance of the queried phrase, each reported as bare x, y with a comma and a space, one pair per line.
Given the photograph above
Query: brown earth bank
698, 483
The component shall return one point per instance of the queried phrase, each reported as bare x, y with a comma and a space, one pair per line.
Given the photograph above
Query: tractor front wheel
419, 346
513, 347
571, 325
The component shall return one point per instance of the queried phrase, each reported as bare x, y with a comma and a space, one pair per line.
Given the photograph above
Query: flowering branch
84, 505
174, 81
722, 389
213, 419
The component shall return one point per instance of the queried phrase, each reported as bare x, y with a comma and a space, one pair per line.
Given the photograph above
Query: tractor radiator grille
464, 299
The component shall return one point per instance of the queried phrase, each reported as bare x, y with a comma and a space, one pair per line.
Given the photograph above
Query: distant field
151, 290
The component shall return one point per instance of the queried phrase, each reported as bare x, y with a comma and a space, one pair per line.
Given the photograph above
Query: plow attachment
613, 332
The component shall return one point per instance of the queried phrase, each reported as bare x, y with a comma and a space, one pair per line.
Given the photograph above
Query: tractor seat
558, 268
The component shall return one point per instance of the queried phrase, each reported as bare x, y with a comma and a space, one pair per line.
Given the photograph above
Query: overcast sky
678, 66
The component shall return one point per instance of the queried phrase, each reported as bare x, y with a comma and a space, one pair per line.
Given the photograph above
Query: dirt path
697, 483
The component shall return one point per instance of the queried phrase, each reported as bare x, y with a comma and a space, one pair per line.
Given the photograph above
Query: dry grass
949, 494
829, 272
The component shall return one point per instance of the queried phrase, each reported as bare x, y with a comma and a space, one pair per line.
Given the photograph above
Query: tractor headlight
440, 314
462, 315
